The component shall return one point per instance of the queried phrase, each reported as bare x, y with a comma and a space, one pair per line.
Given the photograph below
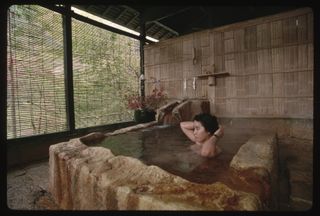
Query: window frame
67, 15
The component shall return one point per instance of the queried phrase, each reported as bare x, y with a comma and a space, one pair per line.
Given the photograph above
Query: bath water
168, 148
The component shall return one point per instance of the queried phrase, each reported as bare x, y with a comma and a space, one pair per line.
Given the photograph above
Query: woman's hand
209, 147
220, 131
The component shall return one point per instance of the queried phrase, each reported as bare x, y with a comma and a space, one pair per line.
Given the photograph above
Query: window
106, 67
35, 72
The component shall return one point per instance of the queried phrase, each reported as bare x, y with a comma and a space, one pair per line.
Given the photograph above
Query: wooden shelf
214, 75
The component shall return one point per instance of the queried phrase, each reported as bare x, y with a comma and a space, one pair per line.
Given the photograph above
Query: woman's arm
209, 148
187, 128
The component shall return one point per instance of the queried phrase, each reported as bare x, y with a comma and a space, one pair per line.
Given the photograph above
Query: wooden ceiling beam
156, 14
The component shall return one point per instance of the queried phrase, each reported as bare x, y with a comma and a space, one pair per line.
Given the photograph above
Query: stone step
301, 180
297, 204
296, 159
301, 190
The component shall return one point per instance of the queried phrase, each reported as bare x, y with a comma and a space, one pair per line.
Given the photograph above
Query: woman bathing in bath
205, 131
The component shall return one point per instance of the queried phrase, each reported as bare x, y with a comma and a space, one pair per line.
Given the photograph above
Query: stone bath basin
84, 177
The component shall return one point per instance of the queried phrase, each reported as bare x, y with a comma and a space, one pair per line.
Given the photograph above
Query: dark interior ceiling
163, 22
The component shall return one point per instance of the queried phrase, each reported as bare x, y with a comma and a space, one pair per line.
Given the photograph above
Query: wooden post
68, 70
142, 43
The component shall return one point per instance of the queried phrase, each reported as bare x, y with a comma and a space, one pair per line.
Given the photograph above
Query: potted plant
145, 107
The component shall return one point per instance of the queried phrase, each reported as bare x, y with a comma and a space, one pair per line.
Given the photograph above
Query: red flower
151, 102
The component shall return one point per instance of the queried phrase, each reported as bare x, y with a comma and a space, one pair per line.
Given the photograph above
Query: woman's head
209, 122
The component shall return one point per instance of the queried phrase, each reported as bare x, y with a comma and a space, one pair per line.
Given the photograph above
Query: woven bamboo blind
105, 68
269, 59
35, 98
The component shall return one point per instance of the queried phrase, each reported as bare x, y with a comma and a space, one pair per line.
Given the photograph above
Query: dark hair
209, 122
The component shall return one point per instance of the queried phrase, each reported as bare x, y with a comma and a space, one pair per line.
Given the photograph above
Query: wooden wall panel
278, 85
289, 31
270, 61
220, 88
241, 86
231, 106
187, 47
218, 43
310, 27
204, 38
277, 59
250, 36
290, 58
163, 55
239, 40
263, 60
276, 33
239, 63
229, 45
263, 35
301, 23
302, 57
278, 107
250, 62
156, 55
305, 83
252, 85
243, 107
265, 85
310, 56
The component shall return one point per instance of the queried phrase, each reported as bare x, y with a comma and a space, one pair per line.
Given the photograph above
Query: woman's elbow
206, 154
187, 125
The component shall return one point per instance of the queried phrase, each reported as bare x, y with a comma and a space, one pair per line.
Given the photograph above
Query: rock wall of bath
84, 177
261, 154
92, 178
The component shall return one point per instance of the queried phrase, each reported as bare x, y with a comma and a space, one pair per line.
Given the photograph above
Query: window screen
105, 69
35, 72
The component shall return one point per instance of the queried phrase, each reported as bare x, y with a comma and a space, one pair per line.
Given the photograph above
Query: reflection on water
164, 146
128, 144
168, 148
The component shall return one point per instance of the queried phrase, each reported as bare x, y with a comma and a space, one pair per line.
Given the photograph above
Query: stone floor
296, 165
27, 186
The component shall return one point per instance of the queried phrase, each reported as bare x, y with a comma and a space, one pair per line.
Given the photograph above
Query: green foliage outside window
105, 69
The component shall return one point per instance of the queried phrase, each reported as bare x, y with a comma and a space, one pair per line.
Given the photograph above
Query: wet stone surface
296, 173
27, 188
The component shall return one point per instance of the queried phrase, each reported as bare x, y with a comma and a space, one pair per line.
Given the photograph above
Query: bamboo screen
269, 61
35, 75
175, 64
105, 69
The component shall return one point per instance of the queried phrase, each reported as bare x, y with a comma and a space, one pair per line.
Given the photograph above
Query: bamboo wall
270, 61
